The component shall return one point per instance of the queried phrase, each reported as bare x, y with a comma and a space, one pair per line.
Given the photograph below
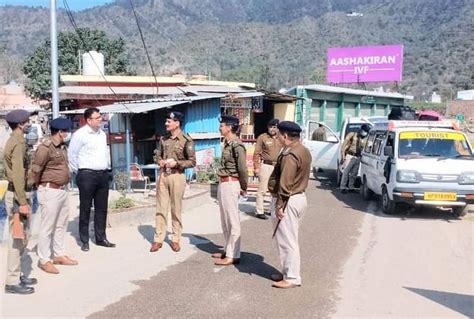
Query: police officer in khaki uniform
233, 179
51, 175
287, 185
16, 201
351, 151
265, 156
174, 154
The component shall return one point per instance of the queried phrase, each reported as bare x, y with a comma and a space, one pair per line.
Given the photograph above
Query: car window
378, 142
370, 142
323, 134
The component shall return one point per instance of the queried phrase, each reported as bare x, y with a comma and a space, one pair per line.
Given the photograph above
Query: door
380, 159
324, 153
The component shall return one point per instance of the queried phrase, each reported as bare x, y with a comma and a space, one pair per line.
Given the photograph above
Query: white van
326, 155
418, 163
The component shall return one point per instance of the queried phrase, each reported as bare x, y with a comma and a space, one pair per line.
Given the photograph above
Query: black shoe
344, 191
28, 281
85, 247
19, 289
261, 216
268, 213
105, 243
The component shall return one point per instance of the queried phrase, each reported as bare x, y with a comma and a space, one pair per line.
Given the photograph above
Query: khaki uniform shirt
234, 162
179, 148
15, 165
50, 163
353, 144
267, 148
291, 173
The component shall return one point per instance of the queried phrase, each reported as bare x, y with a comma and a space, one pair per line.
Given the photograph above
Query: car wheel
365, 191
460, 211
388, 205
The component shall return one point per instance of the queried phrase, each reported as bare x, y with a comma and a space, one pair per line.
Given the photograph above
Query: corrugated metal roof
197, 89
103, 90
335, 89
146, 105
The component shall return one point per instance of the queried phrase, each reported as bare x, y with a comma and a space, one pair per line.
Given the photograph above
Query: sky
73, 4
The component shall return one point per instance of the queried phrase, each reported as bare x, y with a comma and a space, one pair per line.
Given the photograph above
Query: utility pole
54, 62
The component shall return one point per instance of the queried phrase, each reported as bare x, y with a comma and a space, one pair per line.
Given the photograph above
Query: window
370, 142
378, 142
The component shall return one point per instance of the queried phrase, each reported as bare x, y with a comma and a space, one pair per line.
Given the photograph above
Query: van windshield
433, 144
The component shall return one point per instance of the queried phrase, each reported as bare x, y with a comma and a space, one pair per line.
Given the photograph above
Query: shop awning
144, 106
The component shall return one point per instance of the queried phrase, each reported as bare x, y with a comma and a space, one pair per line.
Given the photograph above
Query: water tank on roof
93, 63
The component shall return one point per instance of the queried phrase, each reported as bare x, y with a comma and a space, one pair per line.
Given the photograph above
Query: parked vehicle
421, 163
327, 154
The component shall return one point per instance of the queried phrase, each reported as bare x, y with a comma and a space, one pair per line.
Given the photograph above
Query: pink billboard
365, 64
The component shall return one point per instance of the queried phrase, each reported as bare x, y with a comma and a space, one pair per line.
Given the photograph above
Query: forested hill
276, 43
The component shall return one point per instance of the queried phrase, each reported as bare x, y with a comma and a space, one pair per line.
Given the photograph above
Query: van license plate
441, 196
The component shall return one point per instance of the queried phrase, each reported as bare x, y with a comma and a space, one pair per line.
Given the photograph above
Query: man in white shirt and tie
89, 157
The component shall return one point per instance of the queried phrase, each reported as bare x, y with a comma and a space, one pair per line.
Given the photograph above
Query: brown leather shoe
283, 284
276, 277
48, 267
227, 261
218, 255
175, 246
65, 261
155, 247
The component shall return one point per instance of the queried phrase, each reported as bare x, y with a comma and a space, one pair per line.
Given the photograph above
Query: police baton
279, 220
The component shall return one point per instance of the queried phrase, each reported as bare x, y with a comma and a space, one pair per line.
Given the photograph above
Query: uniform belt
53, 185
173, 171
353, 154
93, 170
224, 179
272, 163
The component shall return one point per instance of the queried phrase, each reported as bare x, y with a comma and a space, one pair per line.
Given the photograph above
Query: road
356, 262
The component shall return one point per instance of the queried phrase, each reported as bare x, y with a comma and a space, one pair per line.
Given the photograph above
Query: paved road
356, 262
195, 288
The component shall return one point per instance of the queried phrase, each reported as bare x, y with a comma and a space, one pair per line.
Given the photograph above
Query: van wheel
460, 211
365, 191
388, 205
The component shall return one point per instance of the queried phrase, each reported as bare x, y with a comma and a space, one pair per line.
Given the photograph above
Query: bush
122, 182
122, 202
208, 174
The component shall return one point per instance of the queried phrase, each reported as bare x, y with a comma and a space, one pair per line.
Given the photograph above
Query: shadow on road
250, 263
464, 304
147, 232
354, 200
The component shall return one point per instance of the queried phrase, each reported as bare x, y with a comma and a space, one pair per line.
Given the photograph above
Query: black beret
289, 127
17, 116
229, 120
176, 116
273, 122
61, 123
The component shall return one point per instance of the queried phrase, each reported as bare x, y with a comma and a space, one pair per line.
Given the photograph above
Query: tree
71, 45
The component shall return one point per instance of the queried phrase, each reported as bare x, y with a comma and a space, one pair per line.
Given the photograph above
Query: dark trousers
93, 186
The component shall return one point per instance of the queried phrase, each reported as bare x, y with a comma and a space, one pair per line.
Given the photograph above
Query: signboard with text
365, 64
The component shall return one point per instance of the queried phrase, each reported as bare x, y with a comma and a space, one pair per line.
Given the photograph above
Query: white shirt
88, 149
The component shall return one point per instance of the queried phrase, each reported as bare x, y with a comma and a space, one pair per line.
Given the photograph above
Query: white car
326, 155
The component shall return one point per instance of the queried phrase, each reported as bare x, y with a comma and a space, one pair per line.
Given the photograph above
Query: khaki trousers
54, 213
228, 198
351, 169
170, 193
16, 247
264, 175
286, 237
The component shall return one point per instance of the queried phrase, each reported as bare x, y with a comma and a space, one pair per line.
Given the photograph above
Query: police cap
61, 123
229, 120
289, 127
365, 127
176, 116
273, 122
17, 116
